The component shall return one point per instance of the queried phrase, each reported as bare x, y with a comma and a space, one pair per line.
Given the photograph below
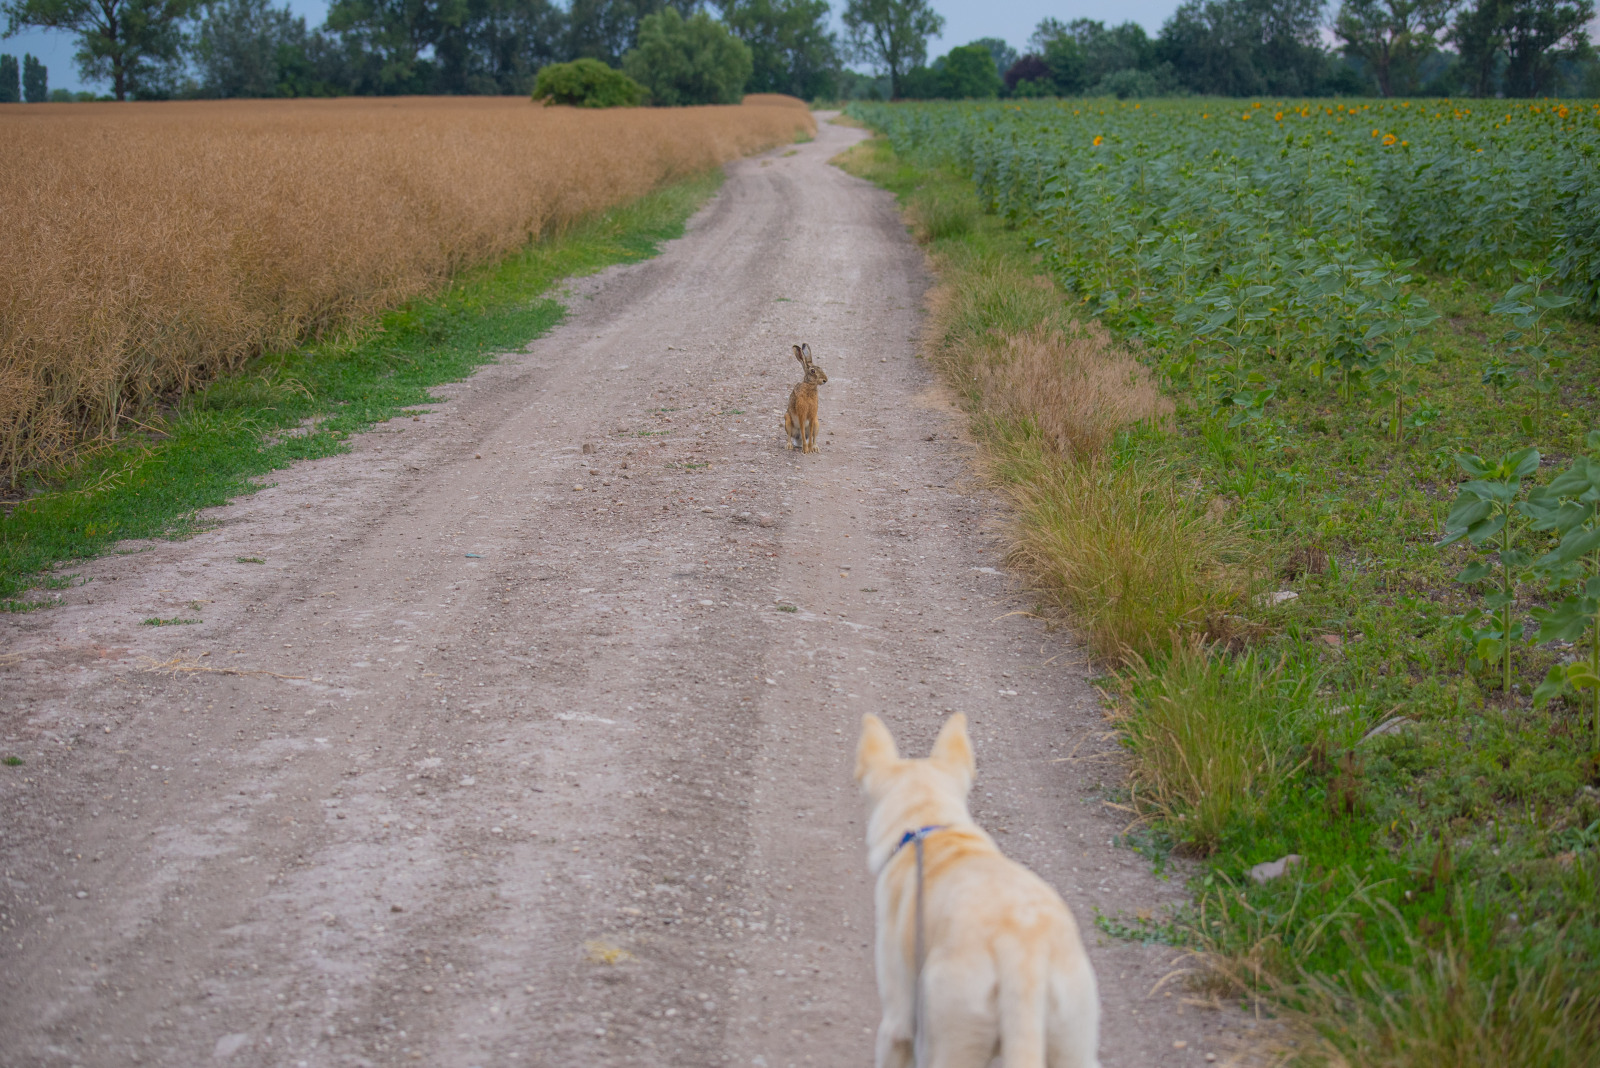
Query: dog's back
1005, 970
1005, 967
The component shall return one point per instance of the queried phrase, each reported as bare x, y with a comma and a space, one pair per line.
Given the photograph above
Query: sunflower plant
1487, 512
1568, 507
1528, 340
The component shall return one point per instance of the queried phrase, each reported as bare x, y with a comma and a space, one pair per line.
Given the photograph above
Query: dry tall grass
1131, 556
147, 247
1072, 385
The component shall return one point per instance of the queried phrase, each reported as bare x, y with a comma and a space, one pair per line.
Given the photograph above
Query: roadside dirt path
506, 752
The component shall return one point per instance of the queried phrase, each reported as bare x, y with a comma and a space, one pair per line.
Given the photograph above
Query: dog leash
918, 1043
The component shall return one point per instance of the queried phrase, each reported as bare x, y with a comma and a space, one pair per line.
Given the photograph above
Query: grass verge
305, 403
1131, 553
1295, 666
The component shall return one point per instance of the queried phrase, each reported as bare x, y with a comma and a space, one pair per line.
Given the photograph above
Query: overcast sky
965, 20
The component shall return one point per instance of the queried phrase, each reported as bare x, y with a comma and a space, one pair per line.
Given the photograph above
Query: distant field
147, 248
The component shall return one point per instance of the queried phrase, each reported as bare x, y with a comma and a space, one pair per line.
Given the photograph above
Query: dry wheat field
147, 247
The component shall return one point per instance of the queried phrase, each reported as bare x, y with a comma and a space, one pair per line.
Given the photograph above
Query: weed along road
523, 733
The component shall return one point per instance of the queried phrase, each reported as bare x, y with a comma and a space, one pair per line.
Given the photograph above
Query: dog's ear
875, 749
952, 751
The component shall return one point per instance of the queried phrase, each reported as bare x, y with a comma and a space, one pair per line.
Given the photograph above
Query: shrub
689, 61
587, 83
967, 73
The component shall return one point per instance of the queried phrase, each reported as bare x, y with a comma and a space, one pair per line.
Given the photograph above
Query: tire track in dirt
560, 770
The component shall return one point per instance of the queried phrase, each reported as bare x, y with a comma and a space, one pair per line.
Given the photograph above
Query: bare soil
515, 753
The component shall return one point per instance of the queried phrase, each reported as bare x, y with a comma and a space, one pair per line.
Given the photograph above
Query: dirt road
495, 750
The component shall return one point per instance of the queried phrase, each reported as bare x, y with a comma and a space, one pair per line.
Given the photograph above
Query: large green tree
968, 73
607, 29
241, 46
1084, 52
688, 61
1246, 47
35, 80
1003, 54
10, 80
1392, 36
386, 41
791, 48
500, 46
891, 35
133, 44
1527, 38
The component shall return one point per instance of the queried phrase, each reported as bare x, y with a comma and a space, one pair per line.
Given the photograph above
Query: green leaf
1475, 573
1478, 533
1473, 464
1573, 515
1523, 463
1554, 684
1566, 621
1573, 481
1468, 510
1581, 676
1578, 543
1486, 490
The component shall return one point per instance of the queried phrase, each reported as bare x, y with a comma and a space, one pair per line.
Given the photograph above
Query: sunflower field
1376, 325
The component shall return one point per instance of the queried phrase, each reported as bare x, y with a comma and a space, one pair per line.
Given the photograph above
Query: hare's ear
805, 353
952, 751
799, 356
875, 750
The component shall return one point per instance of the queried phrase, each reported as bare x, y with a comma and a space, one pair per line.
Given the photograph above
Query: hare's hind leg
791, 430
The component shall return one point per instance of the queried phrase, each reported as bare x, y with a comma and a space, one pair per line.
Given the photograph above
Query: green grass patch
216, 444
1446, 905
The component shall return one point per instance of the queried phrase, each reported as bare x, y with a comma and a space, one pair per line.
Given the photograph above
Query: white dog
1003, 970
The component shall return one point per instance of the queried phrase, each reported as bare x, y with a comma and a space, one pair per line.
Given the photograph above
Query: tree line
1239, 48
154, 49
159, 49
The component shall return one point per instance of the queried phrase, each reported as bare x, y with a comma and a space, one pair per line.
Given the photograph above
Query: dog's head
945, 776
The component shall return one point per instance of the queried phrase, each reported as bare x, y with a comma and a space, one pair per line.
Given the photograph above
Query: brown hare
800, 421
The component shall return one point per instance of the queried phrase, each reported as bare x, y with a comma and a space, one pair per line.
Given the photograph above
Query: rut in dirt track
560, 771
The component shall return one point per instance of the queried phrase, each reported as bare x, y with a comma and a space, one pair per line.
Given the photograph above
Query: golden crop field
147, 247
